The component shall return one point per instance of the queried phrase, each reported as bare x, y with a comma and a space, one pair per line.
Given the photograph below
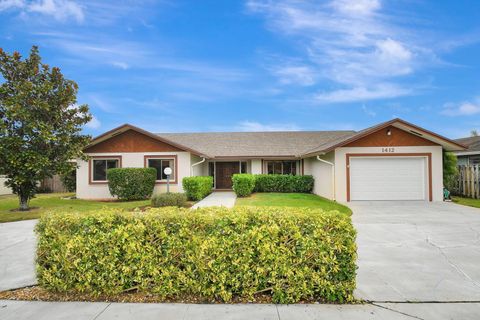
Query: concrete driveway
17, 254
417, 251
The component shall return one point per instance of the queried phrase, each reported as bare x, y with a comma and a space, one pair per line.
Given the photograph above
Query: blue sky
172, 66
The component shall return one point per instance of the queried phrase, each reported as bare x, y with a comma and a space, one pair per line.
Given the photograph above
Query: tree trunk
23, 202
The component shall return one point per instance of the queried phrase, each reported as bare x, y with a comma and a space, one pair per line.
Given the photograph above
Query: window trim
298, 166
163, 157
90, 167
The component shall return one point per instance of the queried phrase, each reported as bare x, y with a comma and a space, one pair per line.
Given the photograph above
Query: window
282, 167
100, 167
243, 167
160, 164
474, 160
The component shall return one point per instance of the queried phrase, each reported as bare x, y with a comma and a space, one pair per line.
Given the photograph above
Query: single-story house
472, 154
394, 160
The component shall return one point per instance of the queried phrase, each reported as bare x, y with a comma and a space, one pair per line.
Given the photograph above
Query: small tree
450, 170
474, 133
41, 124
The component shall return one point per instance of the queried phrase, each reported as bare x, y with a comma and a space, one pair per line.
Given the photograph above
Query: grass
52, 202
467, 201
291, 200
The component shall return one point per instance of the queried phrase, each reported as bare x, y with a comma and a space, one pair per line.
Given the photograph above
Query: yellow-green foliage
292, 254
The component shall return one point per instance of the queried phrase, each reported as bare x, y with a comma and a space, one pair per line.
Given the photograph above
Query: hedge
290, 255
131, 183
169, 199
197, 188
283, 183
243, 184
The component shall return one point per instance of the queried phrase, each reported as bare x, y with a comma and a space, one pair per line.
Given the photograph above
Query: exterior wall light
389, 132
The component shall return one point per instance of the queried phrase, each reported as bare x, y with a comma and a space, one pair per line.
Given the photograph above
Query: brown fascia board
375, 128
126, 126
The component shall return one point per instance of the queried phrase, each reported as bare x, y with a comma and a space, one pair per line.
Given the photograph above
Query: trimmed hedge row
211, 253
283, 183
131, 183
169, 200
197, 188
243, 184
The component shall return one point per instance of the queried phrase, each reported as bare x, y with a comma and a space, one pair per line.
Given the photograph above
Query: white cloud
351, 43
300, 75
368, 111
381, 91
120, 65
257, 126
61, 10
93, 124
362, 7
465, 108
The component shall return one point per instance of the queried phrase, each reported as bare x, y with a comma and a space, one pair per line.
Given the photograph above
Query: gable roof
472, 143
279, 144
125, 127
255, 144
446, 143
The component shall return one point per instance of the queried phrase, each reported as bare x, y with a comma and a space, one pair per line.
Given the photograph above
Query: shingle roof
473, 143
253, 144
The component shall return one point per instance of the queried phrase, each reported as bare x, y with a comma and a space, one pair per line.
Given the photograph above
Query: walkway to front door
218, 199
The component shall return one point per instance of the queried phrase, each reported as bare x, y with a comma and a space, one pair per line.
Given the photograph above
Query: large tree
41, 126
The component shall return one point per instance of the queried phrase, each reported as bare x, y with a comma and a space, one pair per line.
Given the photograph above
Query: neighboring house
394, 160
472, 154
3, 188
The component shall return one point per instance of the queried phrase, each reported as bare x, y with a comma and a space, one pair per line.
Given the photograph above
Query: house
472, 154
394, 160
3, 188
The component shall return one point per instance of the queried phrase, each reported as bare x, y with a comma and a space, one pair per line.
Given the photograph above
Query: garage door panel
387, 178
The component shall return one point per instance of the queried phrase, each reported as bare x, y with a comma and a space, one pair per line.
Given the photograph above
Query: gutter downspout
333, 175
196, 164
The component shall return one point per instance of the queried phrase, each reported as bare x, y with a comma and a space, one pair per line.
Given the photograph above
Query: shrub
283, 183
197, 188
69, 180
169, 200
131, 183
289, 254
243, 184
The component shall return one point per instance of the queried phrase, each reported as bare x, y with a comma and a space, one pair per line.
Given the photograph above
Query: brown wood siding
398, 138
131, 141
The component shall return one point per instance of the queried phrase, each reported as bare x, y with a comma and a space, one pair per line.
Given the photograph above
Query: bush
131, 183
289, 254
169, 200
283, 183
69, 180
243, 184
197, 188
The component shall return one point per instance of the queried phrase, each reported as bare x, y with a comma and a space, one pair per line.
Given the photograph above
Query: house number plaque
388, 150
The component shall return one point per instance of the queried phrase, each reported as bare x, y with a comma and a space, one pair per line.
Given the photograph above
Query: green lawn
54, 201
291, 200
467, 201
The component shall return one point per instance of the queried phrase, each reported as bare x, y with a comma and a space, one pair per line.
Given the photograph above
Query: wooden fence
53, 184
469, 181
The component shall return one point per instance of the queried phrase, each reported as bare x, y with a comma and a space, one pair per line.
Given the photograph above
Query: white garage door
387, 178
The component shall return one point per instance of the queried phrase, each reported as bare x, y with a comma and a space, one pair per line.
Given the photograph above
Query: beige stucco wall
129, 160
322, 173
256, 166
4, 189
341, 172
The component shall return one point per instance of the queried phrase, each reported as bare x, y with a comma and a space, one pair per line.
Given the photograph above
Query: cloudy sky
175, 65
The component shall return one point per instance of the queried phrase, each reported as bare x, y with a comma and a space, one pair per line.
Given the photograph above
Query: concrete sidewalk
218, 199
20, 310
17, 254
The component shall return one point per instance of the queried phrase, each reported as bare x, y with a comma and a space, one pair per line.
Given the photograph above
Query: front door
224, 172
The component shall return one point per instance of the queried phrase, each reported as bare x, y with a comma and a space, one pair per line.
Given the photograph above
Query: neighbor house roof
472, 143
256, 144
